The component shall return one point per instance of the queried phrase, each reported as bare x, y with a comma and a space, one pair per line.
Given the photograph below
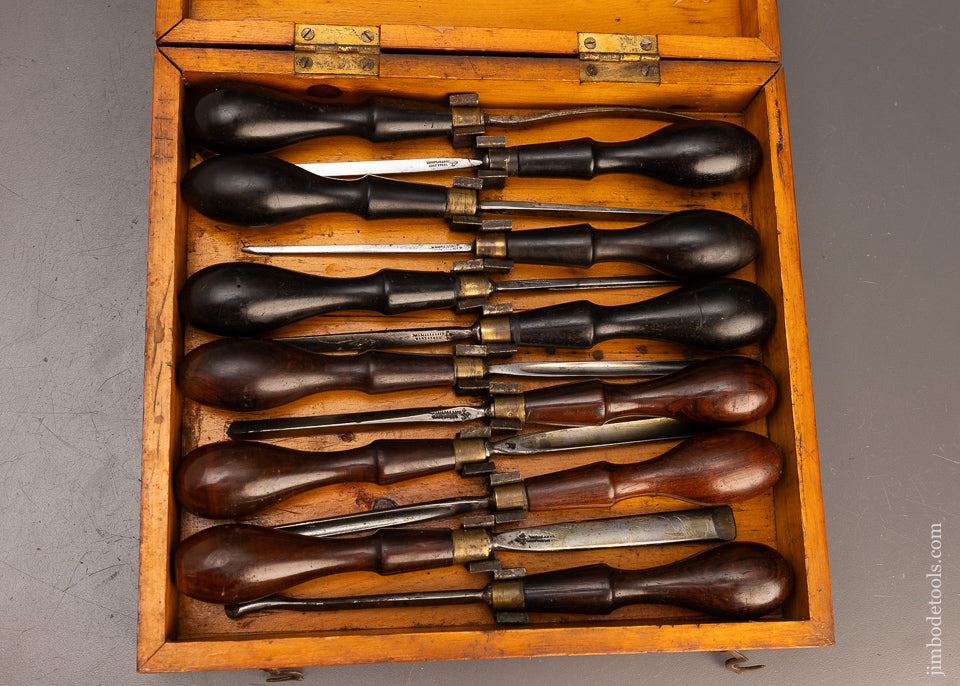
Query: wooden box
719, 59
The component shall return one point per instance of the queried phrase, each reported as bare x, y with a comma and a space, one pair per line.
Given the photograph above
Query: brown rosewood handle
236, 563
715, 468
238, 478
246, 374
734, 580
723, 391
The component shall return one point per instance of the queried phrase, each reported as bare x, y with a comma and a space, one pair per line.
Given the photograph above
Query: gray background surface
873, 99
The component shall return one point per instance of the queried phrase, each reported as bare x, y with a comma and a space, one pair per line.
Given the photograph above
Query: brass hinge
619, 57
328, 49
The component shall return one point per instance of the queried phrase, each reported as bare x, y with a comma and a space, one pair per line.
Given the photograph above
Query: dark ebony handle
237, 118
695, 154
247, 374
260, 190
693, 244
248, 298
239, 478
735, 580
722, 391
715, 468
718, 314
234, 563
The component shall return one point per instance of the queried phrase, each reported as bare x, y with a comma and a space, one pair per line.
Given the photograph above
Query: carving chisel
244, 374
738, 580
258, 475
691, 244
691, 152
721, 391
715, 468
248, 299
235, 563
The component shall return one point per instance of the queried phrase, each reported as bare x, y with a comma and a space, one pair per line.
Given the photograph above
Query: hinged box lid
740, 30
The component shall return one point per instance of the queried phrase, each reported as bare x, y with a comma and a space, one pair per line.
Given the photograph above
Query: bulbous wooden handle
713, 469
723, 391
239, 478
235, 563
247, 374
733, 580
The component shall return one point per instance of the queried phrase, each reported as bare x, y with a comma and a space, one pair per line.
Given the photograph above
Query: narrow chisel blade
360, 249
295, 426
590, 368
384, 167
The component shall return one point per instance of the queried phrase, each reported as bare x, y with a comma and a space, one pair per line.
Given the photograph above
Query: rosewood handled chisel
737, 580
235, 563
691, 152
257, 475
722, 391
690, 244
244, 374
715, 314
715, 468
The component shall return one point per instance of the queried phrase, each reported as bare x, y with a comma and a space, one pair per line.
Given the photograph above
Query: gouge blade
616, 433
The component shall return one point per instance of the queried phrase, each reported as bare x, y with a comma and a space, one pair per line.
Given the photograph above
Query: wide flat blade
614, 433
359, 602
359, 249
708, 524
369, 340
298, 426
590, 368
595, 283
565, 210
385, 167
392, 516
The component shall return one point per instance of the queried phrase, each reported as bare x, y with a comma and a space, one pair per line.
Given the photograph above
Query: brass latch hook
735, 663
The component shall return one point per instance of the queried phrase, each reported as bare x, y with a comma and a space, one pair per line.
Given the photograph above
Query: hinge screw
305, 62
367, 36
367, 64
592, 69
646, 44
590, 43
645, 70
307, 34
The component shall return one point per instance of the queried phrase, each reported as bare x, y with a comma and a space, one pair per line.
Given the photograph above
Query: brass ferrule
466, 116
495, 330
507, 594
461, 201
470, 545
474, 286
492, 245
509, 407
510, 497
469, 368
469, 451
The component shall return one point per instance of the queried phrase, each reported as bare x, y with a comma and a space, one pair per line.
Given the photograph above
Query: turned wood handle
239, 478
246, 374
692, 244
242, 118
715, 314
716, 468
694, 154
734, 580
723, 391
260, 190
249, 298
235, 563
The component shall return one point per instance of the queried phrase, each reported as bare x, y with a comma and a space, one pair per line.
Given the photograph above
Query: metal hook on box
275, 675
735, 663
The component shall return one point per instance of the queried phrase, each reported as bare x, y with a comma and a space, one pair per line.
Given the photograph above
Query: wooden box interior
178, 633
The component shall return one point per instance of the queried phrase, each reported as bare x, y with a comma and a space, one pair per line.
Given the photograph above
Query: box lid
741, 30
